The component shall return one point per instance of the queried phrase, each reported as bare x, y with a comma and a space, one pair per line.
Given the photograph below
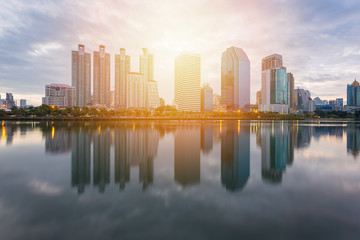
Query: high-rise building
122, 68
162, 102
235, 79
101, 77
10, 101
22, 103
353, 94
258, 97
187, 82
303, 102
81, 76
147, 69
291, 83
60, 95
206, 98
136, 93
154, 100
274, 85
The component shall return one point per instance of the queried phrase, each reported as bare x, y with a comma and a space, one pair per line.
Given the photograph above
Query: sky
319, 40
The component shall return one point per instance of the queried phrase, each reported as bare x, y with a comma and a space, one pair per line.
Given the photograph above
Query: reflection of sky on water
191, 180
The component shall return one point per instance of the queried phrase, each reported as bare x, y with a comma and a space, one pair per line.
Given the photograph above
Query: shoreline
90, 119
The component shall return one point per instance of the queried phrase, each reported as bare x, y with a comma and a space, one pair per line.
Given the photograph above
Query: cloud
318, 40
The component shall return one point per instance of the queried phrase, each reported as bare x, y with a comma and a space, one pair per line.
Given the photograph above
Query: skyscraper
101, 77
291, 83
187, 82
22, 103
154, 100
122, 68
274, 85
147, 69
10, 101
353, 94
206, 98
81, 75
136, 93
235, 79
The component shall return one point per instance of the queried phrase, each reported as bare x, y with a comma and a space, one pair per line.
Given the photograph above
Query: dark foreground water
179, 180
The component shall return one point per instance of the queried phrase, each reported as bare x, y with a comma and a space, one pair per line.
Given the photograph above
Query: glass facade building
353, 94
278, 86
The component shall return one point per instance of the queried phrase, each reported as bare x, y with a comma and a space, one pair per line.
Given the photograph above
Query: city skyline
36, 51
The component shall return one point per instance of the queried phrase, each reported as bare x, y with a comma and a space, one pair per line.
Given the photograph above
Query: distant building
101, 77
122, 68
303, 102
206, 98
274, 85
258, 97
291, 83
59, 95
353, 94
147, 69
112, 98
136, 93
22, 103
81, 76
318, 101
235, 79
153, 93
10, 101
187, 82
162, 102
341, 103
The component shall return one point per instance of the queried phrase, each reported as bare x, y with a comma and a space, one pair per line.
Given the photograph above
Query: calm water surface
179, 180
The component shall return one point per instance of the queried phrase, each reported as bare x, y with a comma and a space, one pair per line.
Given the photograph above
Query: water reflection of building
136, 146
277, 150
206, 137
353, 140
80, 160
187, 155
101, 162
57, 140
235, 156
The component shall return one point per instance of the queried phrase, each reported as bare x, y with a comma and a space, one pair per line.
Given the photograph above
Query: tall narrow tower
235, 79
147, 69
81, 75
187, 82
122, 68
102, 77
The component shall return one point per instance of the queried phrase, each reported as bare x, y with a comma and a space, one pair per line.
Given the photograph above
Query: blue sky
319, 40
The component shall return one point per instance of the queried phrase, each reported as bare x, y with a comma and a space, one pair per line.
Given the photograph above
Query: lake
179, 180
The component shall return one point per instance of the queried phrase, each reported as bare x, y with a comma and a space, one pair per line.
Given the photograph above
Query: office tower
101, 161
122, 68
147, 69
291, 83
22, 103
235, 79
235, 156
81, 76
187, 82
303, 102
154, 100
187, 155
80, 160
258, 98
101, 77
10, 101
136, 93
162, 102
353, 94
59, 95
206, 98
274, 85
